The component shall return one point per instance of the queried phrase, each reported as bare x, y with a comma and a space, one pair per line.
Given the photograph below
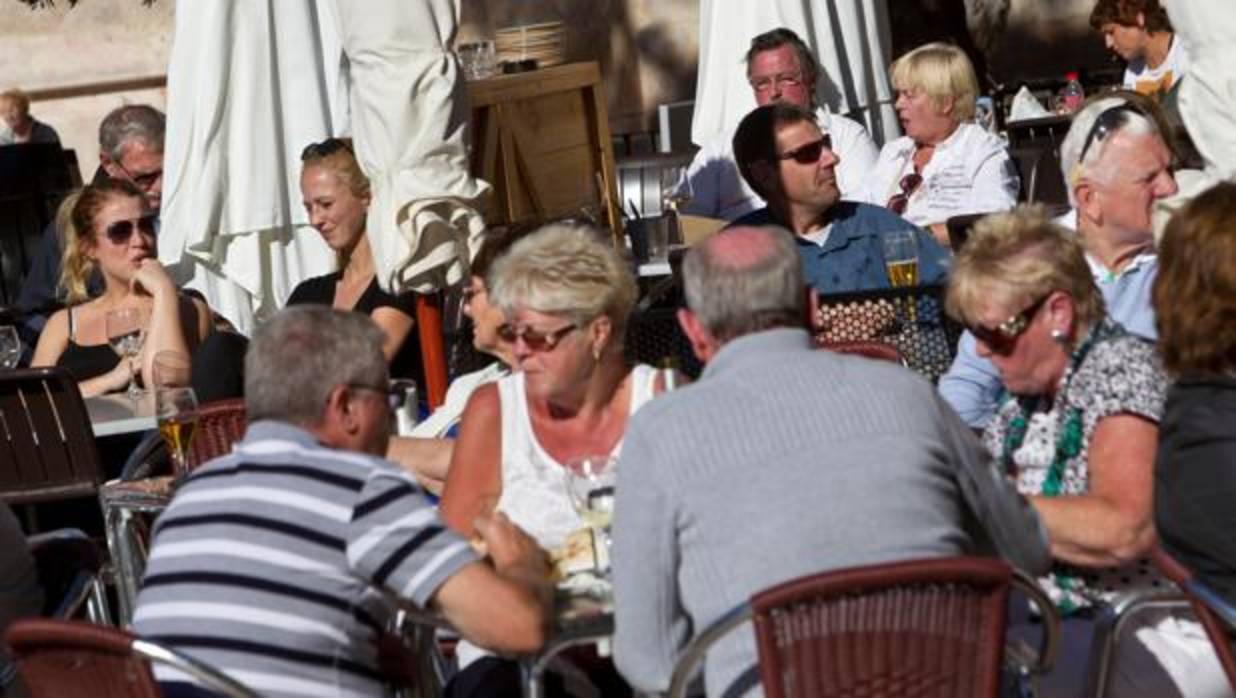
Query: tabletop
115, 413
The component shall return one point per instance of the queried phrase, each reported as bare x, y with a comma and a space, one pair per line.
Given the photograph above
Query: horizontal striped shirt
274, 564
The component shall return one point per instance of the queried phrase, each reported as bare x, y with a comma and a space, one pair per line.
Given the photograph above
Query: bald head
745, 280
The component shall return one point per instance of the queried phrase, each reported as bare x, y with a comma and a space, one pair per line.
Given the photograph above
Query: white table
115, 413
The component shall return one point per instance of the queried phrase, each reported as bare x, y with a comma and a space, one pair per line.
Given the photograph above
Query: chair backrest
63, 658
219, 425
931, 627
68, 562
882, 351
47, 448
1201, 598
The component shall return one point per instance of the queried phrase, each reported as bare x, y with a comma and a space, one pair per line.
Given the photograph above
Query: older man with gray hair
1116, 165
783, 461
277, 563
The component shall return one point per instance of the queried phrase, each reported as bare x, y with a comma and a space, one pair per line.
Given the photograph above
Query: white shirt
1153, 81
970, 172
719, 190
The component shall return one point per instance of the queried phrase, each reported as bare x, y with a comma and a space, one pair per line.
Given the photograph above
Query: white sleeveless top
533, 483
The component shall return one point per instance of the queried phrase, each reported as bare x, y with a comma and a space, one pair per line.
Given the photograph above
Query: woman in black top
336, 197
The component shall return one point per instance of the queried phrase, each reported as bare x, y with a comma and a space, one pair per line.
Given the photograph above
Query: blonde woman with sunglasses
110, 229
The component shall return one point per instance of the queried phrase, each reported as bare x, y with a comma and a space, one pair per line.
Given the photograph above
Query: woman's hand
152, 278
114, 380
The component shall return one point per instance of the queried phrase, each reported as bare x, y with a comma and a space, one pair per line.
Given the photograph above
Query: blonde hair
340, 160
75, 222
568, 270
1017, 258
943, 72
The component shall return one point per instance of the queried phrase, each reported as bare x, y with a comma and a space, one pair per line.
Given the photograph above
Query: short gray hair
568, 270
132, 122
1071, 165
738, 294
296, 359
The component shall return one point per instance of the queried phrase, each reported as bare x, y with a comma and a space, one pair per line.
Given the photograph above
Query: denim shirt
973, 386
852, 257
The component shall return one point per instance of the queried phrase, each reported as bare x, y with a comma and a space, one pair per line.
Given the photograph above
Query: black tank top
85, 361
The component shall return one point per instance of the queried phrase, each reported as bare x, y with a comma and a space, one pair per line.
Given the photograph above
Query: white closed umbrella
1207, 95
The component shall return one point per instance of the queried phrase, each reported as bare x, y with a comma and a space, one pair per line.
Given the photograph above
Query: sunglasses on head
120, 231
1001, 338
534, 340
808, 153
326, 147
1107, 122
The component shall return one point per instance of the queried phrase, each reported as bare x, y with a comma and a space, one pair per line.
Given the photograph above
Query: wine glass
126, 334
175, 409
10, 346
590, 485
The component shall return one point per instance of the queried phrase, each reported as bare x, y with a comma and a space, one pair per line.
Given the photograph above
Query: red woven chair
924, 628
1216, 615
872, 349
219, 425
61, 658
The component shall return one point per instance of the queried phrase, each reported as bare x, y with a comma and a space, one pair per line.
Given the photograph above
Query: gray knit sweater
780, 462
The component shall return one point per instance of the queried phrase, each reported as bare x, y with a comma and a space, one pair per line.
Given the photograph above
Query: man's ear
703, 345
1087, 198
338, 417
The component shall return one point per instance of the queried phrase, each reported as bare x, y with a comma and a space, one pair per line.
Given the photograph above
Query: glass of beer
175, 408
901, 258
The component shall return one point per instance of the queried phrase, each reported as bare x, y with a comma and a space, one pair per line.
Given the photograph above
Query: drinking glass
175, 409
590, 485
10, 346
126, 334
901, 258
171, 369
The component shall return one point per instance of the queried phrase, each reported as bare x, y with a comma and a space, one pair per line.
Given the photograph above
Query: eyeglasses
326, 147
396, 393
120, 231
1002, 337
1107, 122
809, 153
534, 340
898, 202
764, 83
144, 181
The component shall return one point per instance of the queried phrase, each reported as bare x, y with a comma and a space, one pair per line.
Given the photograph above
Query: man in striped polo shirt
278, 564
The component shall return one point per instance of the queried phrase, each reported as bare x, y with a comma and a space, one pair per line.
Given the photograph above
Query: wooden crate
542, 140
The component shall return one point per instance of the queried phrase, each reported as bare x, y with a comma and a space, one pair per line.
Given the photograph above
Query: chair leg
98, 609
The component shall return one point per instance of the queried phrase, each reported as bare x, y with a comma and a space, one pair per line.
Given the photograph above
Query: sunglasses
145, 181
1002, 337
534, 340
898, 202
120, 231
396, 394
1107, 123
809, 153
766, 82
326, 147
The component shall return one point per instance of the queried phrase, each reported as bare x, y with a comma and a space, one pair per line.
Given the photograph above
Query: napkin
1026, 106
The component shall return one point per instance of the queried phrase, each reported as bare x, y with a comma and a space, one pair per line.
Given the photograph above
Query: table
121, 501
580, 618
115, 414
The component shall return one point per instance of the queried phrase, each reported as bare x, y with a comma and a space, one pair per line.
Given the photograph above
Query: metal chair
61, 658
1216, 614
219, 425
881, 351
931, 627
47, 449
70, 567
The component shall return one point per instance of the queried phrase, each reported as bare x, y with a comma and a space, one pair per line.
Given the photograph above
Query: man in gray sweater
780, 462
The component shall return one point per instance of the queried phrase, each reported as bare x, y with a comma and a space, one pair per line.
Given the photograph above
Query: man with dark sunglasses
785, 158
780, 68
1116, 165
130, 148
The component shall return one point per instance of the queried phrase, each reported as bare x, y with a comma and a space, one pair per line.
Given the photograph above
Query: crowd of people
1085, 425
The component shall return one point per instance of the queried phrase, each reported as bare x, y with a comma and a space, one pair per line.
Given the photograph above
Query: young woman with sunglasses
108, 227
336, 198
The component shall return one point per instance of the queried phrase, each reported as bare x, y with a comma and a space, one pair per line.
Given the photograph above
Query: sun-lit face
1133, 173
486, 317
1030, 363
118, 258
922, 118
334, 211
142, 164
775, 76
561, 364
811, 184
1127, 41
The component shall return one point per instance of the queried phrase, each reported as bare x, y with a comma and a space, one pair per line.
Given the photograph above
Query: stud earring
1058, 336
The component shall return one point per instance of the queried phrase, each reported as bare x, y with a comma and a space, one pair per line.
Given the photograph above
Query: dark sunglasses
898, 202
1107, 122
1001, 338
396, 394
120, 231
536, 341
146, 181
326, 147
809, 153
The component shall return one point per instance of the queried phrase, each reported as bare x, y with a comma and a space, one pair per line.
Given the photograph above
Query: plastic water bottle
1071, 95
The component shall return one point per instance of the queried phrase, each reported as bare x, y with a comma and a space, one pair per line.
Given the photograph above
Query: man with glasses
782, 461
277, 564
788, 161
1116, 165
780, 68
130, 148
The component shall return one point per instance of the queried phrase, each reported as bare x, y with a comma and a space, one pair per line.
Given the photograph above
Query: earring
1058, 336
596, 354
